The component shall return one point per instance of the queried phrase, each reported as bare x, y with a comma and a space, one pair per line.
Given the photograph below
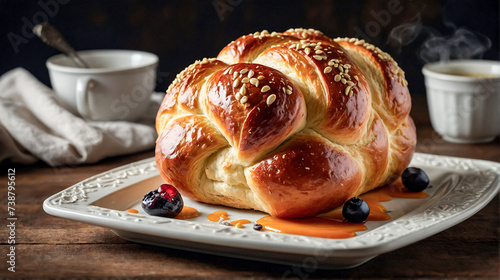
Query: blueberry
356, 210
166, 201
257, 227
415, 179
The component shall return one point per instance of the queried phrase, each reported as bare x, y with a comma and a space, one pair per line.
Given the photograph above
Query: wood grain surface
49, 247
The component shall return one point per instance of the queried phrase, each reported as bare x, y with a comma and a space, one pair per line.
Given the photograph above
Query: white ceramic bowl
464, 99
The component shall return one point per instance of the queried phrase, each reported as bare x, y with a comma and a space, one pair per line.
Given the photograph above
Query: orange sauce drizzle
217, 215
332, 224
187, 213
242, 221
316, 227
132, 210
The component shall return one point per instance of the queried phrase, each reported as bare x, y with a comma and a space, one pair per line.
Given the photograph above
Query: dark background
180, 32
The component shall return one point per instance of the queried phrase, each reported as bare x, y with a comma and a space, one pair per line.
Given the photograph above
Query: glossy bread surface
292, 124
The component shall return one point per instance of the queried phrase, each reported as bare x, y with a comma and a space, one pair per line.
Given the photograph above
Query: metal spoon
52, 37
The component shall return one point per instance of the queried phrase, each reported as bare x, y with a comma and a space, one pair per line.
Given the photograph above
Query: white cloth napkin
33, 126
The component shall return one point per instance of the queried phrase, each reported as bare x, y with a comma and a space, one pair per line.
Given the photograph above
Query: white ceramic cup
464, 99
117, 86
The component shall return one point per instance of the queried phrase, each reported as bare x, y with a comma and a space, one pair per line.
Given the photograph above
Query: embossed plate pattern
460, 188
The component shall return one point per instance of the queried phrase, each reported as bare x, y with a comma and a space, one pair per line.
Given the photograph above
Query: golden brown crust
291, 123
305, 177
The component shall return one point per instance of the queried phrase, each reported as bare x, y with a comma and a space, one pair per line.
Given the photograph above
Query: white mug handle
82, 96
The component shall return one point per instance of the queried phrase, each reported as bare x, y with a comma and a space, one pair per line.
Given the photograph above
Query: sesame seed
318, 52
260, 77
327, 70
244, 71
270, 99
318, 57
349, 83
352, 40
344, 81
289, 87
235, 74
237, 96
250, 74
318, 47
347, 90
244, 99
265, 89
337, 78
254, 82
341, 69
236, 83
330, 63
245, 80
339, 51
356, 77
243, 90
284, 90
308, 51
288, 91
307, 168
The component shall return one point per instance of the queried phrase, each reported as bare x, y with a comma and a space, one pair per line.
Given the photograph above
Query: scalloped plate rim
81, 210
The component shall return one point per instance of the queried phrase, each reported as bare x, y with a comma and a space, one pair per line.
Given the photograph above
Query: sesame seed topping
235, 74
237, 96
244, 71
308, 51
250, 74
339, 51
260, 78
330, 63
284, 90
244, 99
318, 52
254, 82
347, 90
245, 80
270, 99
318, 57
288, 91
356, 78
243, 90
344, 81
349, 83
265, 89
327, 70
337, 78
236, 83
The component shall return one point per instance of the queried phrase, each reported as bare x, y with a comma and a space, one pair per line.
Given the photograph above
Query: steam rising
461, 44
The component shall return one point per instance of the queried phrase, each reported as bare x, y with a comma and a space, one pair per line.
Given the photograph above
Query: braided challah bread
292, 124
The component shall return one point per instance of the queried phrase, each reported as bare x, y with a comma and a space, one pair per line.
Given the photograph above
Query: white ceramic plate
461, 187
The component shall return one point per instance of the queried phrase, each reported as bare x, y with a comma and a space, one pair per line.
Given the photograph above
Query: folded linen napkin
34, 126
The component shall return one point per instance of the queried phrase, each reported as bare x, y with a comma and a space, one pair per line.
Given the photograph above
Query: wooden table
51, 247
